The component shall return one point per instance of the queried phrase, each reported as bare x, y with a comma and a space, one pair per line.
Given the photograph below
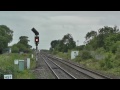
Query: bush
100, 50
78, 58
15, 49
54, 52
115, 46
117, 53
7, 66
107, 62
86, 55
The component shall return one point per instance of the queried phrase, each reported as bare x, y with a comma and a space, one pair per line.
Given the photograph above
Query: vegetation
67, 43
5, 37
7, 59
7, 66
101, 50
22, 45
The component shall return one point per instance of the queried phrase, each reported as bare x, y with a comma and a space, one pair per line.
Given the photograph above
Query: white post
28, 63
36, 58
10, 50
16, 62
32, 56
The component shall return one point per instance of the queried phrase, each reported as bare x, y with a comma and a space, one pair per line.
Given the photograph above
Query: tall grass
7, 65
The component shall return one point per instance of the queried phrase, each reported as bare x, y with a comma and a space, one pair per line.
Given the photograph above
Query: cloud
53, 25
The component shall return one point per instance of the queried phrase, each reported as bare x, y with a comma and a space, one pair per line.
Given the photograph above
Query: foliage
81, 47
6, 36
107, 63
67, 43
105, 38
86, 55
7, 66
100, 52
22, 45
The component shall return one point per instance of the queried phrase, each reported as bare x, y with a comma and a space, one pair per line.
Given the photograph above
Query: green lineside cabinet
21, 65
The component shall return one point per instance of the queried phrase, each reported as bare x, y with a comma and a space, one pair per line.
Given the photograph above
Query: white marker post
9, 76
36, 59
28, 63
16, 62
32, 56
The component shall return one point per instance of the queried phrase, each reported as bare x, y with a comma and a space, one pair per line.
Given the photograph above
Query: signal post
36, 37
36, 41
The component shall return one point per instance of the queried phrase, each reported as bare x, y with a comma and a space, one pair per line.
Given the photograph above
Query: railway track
58, 71
77, 71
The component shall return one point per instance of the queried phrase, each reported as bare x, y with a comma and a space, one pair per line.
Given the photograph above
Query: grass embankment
7, 66
109, 65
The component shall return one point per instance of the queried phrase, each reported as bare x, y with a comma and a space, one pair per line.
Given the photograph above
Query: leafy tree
91, 34
15, 49
105, 38
6, 35
67, 43
22, 45
24, 40
54, 43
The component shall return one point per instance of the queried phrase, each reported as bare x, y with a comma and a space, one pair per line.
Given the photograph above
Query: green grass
64, 55
26, 74
7, 66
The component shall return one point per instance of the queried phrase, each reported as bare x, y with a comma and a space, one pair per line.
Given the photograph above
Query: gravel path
42, 71
61, 74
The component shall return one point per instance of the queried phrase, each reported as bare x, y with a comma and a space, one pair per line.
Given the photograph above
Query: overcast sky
53, 25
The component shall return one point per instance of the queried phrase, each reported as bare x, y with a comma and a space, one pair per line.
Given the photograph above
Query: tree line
6, 36
63, 45
107, 38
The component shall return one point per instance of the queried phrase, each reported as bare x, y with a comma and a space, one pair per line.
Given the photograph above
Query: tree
67, 43
22, 45
54, 43
15, 49
81, 47
24, 40
6, 36
105, 38
91, 34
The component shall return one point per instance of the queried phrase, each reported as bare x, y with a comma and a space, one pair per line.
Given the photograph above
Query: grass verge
7, 66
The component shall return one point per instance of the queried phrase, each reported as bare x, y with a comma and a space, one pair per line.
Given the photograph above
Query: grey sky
53, 25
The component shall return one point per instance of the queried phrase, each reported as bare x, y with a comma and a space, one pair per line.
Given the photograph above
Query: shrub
78, 58
54, 52
107, 62
117, 53
86, 55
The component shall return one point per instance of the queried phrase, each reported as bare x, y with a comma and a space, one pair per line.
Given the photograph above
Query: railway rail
58, 71
77, 71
